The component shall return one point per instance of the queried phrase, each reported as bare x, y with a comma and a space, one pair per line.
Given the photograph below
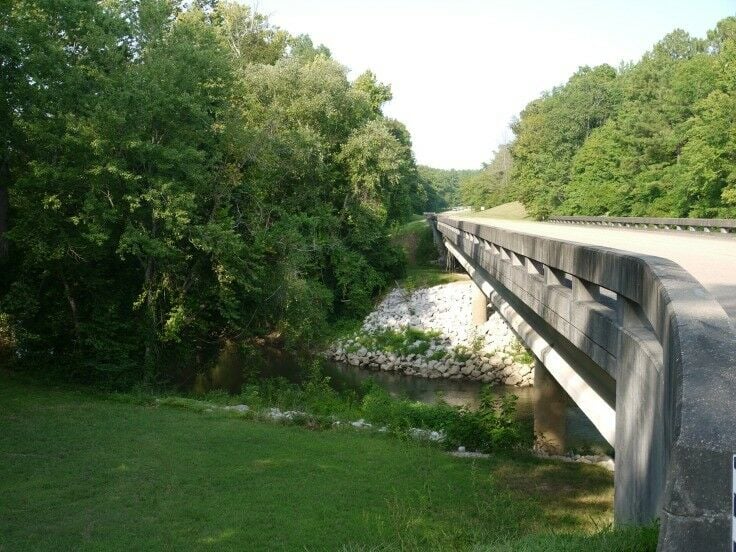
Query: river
581, 436
581, 433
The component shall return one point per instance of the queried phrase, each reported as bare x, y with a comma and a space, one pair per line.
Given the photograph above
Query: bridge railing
723, 226
671, 350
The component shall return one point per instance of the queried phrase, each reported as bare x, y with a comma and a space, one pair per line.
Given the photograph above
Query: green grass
511, 211
417, 277
626, 539
81, 471
422, 270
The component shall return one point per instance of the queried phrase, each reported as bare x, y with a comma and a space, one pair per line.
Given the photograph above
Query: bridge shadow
573, 496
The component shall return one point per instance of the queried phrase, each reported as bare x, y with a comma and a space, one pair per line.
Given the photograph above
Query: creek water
581, 433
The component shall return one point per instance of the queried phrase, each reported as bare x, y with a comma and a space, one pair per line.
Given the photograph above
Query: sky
461, 70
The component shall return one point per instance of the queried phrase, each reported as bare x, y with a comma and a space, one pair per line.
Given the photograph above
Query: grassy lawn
509, 211
85, 472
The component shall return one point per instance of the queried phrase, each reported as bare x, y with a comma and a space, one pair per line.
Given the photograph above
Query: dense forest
174, 176
491, 185
442, 186
653, 138
177, 176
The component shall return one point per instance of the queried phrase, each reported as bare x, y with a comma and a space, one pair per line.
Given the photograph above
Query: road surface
710, 258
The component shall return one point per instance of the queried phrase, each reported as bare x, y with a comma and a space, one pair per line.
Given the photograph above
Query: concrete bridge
637, 327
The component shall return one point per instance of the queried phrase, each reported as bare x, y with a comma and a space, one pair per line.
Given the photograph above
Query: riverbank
429, 333
89, 471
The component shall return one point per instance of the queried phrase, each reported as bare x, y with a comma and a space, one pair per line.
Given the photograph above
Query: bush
491, 427
403, 342
316, 395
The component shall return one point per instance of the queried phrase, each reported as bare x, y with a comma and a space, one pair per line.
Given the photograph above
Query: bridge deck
710, 258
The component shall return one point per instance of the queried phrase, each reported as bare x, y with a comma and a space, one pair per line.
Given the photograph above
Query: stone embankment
429, 333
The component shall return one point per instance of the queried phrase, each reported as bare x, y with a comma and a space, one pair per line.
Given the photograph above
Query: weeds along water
318, 402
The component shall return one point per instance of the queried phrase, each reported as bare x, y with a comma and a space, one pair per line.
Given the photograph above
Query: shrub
491, 427
380, 408
316, 395
403, 342
461, 353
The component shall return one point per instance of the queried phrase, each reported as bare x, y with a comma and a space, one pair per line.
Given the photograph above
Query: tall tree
492, 185
552, 128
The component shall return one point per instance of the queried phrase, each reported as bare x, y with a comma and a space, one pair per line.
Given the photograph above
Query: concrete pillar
480, 307
550, 404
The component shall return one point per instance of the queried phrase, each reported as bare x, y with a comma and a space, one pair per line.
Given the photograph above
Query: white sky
459, 71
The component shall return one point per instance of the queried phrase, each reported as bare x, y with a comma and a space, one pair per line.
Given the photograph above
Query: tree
180, 176
442, 187
552, 128
708, 159
652, 140
492, 185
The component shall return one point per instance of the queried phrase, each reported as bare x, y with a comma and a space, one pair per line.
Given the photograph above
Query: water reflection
581, 433
232, 368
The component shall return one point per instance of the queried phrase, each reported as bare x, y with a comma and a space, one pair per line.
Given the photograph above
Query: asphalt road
710, 258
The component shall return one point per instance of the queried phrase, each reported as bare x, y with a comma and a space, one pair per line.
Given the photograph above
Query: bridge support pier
550, 402
479, 306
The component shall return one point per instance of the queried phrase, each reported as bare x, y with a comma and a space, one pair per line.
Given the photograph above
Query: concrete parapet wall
671, 349
692, 224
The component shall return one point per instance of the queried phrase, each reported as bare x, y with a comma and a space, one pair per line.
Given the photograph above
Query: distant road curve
710, 258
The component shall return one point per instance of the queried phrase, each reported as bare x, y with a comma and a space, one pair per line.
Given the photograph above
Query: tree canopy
653, 138
176, 176
442, 187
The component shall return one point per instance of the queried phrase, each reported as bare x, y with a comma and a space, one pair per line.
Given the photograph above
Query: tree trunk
72, 308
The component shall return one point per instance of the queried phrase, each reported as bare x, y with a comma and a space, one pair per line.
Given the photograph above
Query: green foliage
422, 269
461, 353
653, 138
405, 341
491, 427
399, 415
492, 185
441, 188
439, 354
552, 128
521, 354
315, 396
183, 175
8, 341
